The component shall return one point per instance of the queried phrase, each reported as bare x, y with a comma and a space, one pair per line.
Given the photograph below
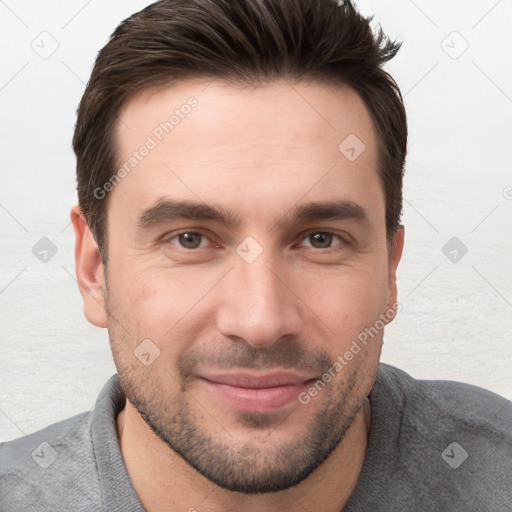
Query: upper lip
256, 380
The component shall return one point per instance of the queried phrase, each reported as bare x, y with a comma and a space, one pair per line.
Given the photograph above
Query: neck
164, 481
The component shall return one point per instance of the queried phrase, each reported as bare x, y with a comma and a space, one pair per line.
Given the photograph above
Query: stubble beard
242, 466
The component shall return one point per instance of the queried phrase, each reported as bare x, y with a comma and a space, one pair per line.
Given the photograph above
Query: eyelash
342, 239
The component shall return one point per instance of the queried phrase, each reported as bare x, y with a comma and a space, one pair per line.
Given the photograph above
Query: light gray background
456, 318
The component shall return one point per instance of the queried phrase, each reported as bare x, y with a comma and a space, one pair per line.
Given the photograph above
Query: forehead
284, 110
264, 145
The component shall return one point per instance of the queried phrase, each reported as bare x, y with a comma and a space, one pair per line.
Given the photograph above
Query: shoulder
444, 442
448, 403
54, 464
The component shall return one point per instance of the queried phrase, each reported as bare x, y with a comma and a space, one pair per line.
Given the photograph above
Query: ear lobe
395, 254
89, 270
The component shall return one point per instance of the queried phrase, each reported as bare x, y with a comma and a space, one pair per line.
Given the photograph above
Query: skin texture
258, 153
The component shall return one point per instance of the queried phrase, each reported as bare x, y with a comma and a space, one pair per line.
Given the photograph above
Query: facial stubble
169, 407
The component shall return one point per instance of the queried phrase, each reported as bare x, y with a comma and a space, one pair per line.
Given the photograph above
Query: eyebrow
167, 210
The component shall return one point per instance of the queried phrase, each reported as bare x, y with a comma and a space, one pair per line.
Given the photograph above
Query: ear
394, 256
89, 270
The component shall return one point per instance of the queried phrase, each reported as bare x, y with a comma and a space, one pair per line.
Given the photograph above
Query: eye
322, 239
189, 240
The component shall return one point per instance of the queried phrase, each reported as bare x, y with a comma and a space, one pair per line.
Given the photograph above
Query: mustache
287, 353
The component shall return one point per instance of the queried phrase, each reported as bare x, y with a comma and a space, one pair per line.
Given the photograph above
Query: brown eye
189, 240
322, 240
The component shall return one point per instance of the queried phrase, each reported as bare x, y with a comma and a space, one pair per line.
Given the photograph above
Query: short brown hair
248, 41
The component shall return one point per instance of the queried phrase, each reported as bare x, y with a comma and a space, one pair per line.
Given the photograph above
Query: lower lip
257, 400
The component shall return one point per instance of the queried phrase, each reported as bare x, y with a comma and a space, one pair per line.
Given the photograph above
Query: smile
256, 393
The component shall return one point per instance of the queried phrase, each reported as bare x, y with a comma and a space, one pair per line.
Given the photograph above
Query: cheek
149, 289
347, 300
143, 300
164, 306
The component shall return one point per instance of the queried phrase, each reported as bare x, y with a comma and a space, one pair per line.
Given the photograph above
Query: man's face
246, 310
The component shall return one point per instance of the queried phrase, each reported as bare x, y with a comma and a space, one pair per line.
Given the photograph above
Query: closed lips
252, 381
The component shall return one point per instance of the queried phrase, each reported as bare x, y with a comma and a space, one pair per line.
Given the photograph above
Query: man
239, 169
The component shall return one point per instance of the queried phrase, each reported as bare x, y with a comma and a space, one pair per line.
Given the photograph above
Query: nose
258, 305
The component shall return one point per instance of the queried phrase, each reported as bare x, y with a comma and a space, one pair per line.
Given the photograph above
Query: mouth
255, 392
